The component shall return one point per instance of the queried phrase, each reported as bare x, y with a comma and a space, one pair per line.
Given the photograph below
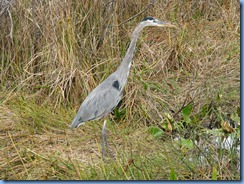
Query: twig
11, 22
127, 165
106, 12
16, 149
189, 91
136, 14
3, 10
4, 5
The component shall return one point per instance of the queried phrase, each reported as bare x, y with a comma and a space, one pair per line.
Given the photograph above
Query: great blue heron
106, 96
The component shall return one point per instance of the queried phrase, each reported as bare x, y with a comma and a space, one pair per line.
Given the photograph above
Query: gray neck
124, 68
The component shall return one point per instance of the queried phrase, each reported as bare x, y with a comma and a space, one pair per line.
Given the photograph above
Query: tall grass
53, 53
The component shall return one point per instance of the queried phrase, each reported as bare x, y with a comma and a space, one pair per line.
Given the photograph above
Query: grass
181, 96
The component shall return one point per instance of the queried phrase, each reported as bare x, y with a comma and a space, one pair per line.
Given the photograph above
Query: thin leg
104, 140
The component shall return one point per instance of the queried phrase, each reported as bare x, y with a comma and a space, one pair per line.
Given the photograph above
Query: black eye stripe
148, 18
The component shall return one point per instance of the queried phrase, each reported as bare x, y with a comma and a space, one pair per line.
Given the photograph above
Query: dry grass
53, 53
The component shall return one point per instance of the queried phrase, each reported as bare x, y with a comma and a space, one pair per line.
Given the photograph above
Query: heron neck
124, 67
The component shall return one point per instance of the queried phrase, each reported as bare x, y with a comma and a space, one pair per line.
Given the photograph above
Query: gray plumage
106, 96
101, 101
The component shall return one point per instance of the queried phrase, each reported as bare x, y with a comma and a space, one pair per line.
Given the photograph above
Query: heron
105, 97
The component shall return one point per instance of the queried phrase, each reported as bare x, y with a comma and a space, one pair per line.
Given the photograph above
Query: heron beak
166, 24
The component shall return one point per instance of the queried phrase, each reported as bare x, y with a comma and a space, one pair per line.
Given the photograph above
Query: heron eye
116, 84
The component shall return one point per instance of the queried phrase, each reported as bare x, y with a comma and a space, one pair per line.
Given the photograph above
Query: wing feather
101, 101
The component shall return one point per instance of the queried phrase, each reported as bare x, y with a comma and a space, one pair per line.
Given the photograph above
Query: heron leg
104, 140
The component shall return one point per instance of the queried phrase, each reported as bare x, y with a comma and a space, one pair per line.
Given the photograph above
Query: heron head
150, 21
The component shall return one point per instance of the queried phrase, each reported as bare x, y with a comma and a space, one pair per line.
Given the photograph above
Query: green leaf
236, 119
238, 111
145, 86
155, 131
117, 113
187, 143
172, 175
214, 173
186, 111
204, 110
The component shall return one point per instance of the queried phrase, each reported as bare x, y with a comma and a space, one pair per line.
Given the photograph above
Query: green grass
182, 93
